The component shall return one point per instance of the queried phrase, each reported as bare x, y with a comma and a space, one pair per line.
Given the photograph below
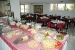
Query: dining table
57, 21
24, 45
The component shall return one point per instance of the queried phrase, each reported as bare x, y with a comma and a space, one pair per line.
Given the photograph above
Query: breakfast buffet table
30, 42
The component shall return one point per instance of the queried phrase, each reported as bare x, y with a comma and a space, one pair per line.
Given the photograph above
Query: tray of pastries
6, 29
48, 44
33, 44
13, 33
22, 39
60, 37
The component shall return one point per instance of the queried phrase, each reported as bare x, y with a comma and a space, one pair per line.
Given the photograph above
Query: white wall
15, 7
46, 10
46, 1
3, 8
0, 6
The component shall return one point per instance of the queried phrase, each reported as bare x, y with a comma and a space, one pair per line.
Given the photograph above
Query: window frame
24, 8
20, 8
70, 3
56, 7
64, 7
61, 3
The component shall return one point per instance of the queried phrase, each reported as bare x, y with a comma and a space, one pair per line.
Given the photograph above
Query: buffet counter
4, 45
14, 45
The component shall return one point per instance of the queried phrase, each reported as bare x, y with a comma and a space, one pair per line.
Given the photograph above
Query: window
69, 7
61, 6
24, 8
53, 6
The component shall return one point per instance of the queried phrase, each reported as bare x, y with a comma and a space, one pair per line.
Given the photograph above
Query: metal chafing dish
1, 26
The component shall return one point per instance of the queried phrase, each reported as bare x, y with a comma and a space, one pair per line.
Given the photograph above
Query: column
15, 7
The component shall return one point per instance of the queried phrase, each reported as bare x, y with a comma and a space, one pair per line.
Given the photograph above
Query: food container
59, 37
0, 29
18, 24
28, 24
8, 36
22, 39
63, 33
23, 21
48, 44
24, 26
38, 25
33, 44
12, 23
58, 44
6, 29
39, 37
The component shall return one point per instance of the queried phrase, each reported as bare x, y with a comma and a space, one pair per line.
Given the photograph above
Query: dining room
50, 24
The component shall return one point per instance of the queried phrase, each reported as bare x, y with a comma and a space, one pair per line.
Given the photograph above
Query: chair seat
60, 26
53, 25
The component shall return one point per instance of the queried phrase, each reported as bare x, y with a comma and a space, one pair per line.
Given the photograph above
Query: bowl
28, 24
63, 33
12, 23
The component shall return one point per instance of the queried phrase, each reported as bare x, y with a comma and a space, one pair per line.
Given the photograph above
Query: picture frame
38, 8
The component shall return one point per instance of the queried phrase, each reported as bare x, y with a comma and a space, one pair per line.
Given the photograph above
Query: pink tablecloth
24, 46
0, 35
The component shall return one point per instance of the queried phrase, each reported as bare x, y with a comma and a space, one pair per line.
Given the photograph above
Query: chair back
53, 25
38, 19
48, 24
60, 26
44, 20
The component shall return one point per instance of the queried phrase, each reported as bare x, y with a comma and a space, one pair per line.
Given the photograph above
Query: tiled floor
71, 42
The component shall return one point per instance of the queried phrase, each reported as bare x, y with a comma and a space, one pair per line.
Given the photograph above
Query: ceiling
46, 1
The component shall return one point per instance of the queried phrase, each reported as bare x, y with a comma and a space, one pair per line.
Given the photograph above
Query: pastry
48, 44
59, 37
39, 37
25, 38
8, 36
32, 44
